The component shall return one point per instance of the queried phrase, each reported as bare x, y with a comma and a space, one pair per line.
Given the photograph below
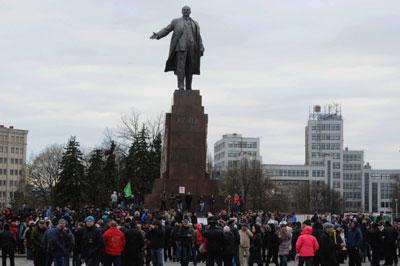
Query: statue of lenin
185, 50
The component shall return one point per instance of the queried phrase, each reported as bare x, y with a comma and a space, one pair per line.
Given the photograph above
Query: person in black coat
133, 252
90, 242
168, 241
228, 246
184, 240
377, 238
236, 238
317, 232
188, 201
256, 246
272, 244
327, 248
295, 235
389, 243
215, 241
8, 245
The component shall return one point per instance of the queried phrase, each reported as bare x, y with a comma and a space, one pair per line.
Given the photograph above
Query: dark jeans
157, 257
193, 254
228, 260
39, 258
308, 261
110, 260
283, 260
133, 259
185, 254
213, 258
10, 254
168, 253
236, 258
390, 254
376, 257
49, 259
354, 257
93, 261
272, 254
21, 246
255, 258
61, 261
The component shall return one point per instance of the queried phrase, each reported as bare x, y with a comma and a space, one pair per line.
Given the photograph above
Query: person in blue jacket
354, 243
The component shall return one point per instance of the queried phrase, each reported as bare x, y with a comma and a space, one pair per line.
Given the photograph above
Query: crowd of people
127, 236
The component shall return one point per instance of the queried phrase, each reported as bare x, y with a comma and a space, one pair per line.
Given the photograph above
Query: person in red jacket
114, 245
306, 246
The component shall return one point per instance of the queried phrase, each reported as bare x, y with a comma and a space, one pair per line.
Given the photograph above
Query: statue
185, 49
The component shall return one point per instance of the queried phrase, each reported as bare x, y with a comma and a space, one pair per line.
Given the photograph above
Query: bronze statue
185, 49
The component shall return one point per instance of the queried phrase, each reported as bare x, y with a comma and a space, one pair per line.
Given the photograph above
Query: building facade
378, 188
344, 170
13, 143
232, 148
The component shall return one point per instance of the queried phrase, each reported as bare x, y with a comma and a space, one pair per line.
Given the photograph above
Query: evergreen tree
155, 159
71, 186
137, 163
111, 180
95, 179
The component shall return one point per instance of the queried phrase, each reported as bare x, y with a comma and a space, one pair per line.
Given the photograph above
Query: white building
229, 150
13, 144
362, 188
378, 187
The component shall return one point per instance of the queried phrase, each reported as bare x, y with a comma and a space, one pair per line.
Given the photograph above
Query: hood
307, 230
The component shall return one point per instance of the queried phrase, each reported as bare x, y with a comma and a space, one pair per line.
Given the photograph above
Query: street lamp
395, 200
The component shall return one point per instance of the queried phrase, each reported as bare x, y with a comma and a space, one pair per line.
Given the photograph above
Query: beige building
13, 144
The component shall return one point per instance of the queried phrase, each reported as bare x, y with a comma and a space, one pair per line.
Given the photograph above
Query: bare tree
316, 197
43, 172
129, 126
248, 180
301, 197
132, 122
155, 125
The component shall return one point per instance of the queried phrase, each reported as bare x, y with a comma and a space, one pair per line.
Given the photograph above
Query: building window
386, 190
336, 175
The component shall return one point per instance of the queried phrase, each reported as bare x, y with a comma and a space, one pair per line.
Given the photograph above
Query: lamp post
395, 200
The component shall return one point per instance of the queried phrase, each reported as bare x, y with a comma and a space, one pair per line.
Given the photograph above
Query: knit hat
327, 225
89, 218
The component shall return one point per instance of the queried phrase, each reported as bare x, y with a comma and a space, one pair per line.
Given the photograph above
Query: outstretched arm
164, 32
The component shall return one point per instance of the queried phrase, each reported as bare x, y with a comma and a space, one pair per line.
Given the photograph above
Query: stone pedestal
183, 160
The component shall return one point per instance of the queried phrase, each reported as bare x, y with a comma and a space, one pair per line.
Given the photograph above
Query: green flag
128, 190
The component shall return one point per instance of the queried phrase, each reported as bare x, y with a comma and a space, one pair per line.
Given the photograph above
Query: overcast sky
73, 67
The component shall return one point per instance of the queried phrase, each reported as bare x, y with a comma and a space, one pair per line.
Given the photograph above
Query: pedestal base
183, 159
197, 188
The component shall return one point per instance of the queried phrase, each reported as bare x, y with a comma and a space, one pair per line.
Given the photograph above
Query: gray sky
73, 67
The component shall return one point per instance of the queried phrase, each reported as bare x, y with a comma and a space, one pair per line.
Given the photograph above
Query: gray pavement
21, 261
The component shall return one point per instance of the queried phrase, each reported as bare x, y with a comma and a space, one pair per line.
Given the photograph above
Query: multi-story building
361, 188
378, 188
324, 143
13, 144
353, 164
232, 148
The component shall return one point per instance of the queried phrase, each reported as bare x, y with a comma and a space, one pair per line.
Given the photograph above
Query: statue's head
186, 11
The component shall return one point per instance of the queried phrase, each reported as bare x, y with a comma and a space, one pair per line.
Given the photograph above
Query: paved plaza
21, 261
